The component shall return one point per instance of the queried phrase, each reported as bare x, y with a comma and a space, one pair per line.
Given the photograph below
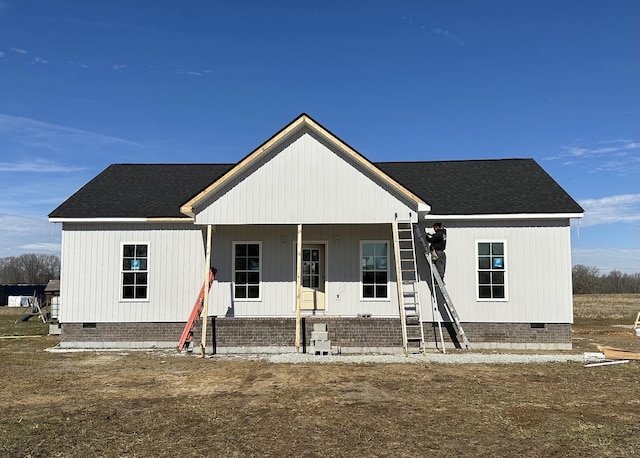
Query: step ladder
407, 279
187, 334
448, 303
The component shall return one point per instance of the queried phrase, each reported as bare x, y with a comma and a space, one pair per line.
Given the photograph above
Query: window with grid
492, 270
135, 273
246, 270
375, 270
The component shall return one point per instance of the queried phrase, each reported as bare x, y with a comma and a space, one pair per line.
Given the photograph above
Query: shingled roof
477, 187
140, 191
483, 187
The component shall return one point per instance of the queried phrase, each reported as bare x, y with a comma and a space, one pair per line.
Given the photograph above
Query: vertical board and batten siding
278, 299
303, 181
91, 269
538, 266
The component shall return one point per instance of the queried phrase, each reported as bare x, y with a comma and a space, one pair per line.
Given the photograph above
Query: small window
135, 273
374, 258
491, 270
246, 270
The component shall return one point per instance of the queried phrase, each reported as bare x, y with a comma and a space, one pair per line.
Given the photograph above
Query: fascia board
120, 220
187, 208
365, 162
510, 216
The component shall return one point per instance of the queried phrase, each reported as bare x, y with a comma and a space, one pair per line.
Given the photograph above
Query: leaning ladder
448, 303
407, 278
187, 333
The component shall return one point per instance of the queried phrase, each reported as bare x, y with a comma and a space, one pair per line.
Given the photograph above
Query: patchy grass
9, 326
605, 309
159, 404
605, 319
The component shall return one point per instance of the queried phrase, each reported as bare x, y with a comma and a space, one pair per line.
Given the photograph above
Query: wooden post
298, 286
205, 298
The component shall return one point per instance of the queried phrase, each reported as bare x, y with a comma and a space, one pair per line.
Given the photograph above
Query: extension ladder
407, 278
187, 333
448, 303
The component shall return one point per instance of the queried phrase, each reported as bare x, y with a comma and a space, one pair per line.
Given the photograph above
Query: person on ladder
438, 243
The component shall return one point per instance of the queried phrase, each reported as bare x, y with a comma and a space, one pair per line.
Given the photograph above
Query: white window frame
360, 271
122, 271
505, 271
233, 270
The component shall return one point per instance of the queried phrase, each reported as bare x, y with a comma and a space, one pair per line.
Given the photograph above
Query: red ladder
187, 333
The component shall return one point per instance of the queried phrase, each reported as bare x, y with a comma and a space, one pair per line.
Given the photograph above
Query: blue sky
87, 83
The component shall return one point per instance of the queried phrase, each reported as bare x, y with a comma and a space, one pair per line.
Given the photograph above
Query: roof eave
121, 220
503, 216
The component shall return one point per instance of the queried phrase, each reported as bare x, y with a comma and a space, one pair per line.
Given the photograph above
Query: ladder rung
410, 305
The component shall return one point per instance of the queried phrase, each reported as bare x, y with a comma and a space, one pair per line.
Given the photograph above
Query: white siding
91, 269
538, 266
303, 182
278, 269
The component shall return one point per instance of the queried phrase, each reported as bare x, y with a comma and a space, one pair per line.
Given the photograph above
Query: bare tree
585, 279
29, 268
613, 282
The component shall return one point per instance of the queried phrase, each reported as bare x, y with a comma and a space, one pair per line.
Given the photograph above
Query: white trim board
506, 216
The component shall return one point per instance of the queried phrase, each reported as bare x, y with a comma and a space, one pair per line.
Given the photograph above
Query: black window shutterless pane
135, 267
484, 292
491, 270
128, 251
247, 271
367, 291
254, 292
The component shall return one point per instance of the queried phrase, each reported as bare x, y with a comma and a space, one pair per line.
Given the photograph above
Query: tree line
588, 280
29, 268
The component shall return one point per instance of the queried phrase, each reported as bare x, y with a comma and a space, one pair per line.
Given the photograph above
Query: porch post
298, 285
205, 300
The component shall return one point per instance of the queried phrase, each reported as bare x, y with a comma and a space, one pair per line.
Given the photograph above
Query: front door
313, 277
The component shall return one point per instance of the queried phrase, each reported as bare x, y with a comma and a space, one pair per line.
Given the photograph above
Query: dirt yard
139, 404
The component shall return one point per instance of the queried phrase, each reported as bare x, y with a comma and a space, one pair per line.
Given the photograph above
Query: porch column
298, 285
205, 300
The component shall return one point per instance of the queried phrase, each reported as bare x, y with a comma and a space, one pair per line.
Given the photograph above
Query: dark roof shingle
140, 191
476, 187
481, 187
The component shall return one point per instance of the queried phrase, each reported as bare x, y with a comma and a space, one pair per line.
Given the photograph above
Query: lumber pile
609, 356
617, 353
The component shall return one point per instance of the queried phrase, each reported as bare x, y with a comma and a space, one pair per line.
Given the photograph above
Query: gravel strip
305, 358
467, 358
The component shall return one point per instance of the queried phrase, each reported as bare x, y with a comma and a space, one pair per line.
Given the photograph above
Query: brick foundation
278, 334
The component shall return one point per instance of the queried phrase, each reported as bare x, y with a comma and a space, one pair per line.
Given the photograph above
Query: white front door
313, 277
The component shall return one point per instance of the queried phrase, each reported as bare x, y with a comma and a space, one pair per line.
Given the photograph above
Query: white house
133, 249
